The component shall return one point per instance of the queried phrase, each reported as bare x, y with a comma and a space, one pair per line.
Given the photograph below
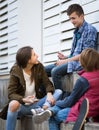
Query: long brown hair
89, 59
23, 56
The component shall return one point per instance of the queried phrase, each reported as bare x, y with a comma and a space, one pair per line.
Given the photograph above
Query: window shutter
8, 34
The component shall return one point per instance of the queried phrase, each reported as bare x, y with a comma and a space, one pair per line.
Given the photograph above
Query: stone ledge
27, 124
67, 126
87, 126
91, 126
69, 80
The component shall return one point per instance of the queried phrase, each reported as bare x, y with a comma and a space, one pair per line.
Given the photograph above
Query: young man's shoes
37, 111
82, 115
39, 118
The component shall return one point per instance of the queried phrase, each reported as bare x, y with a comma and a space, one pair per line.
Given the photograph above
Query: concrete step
68, 81
87, 126
27, 124
91, 126
67, 126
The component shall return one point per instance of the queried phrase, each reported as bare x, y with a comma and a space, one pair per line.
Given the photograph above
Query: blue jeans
59, 115
26, 110
56, 72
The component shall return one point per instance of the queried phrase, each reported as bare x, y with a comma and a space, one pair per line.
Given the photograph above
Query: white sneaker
37, 110
43, 116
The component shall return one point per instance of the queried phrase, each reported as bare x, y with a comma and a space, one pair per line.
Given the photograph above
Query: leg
45, 104
57, 94
26, 109
12, 115
62, 115
16, 110
39, 118
82, 115
48, 69
57, 73
53, 124
54, 113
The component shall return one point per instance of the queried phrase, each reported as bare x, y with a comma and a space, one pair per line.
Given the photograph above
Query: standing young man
84, 37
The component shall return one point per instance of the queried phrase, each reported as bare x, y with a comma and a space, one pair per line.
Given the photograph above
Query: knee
59, 91
14, 106
54, 71
58, 115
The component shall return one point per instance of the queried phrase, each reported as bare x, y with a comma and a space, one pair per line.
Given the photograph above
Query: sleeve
80, 87
14, 89
89, 37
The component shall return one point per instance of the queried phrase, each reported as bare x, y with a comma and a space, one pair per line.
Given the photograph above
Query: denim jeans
56, 72
59, 115
26, 110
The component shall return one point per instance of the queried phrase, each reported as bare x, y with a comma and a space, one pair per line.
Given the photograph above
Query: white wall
29, 24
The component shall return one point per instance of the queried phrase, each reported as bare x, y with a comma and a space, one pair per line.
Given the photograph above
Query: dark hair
75, 8
23, 55
89, 59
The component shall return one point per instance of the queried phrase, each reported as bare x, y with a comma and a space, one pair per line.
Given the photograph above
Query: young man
84, 37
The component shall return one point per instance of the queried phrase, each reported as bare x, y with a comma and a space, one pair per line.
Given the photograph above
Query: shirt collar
80, 30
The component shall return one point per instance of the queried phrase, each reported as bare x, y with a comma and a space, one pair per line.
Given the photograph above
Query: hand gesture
61, 56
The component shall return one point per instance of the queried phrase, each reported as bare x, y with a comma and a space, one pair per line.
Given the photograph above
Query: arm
74, 58
79, 89
87, 40
14, 88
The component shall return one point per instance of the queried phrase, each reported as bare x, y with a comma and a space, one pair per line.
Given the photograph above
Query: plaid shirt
83, 38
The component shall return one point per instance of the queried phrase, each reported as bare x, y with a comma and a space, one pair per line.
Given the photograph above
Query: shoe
39, 118
37, 111
82, 115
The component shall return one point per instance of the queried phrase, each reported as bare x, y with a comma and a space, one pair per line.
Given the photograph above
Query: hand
60, 62
50, 98
61, 56
29, 99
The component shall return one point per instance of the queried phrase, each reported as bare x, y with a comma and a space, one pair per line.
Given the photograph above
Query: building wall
20, 25
30, 24
43, 24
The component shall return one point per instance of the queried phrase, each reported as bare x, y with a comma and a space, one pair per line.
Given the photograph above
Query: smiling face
76, 20
34, 58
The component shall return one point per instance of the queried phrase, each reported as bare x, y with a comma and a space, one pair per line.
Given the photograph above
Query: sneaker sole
82, 115
39, 118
